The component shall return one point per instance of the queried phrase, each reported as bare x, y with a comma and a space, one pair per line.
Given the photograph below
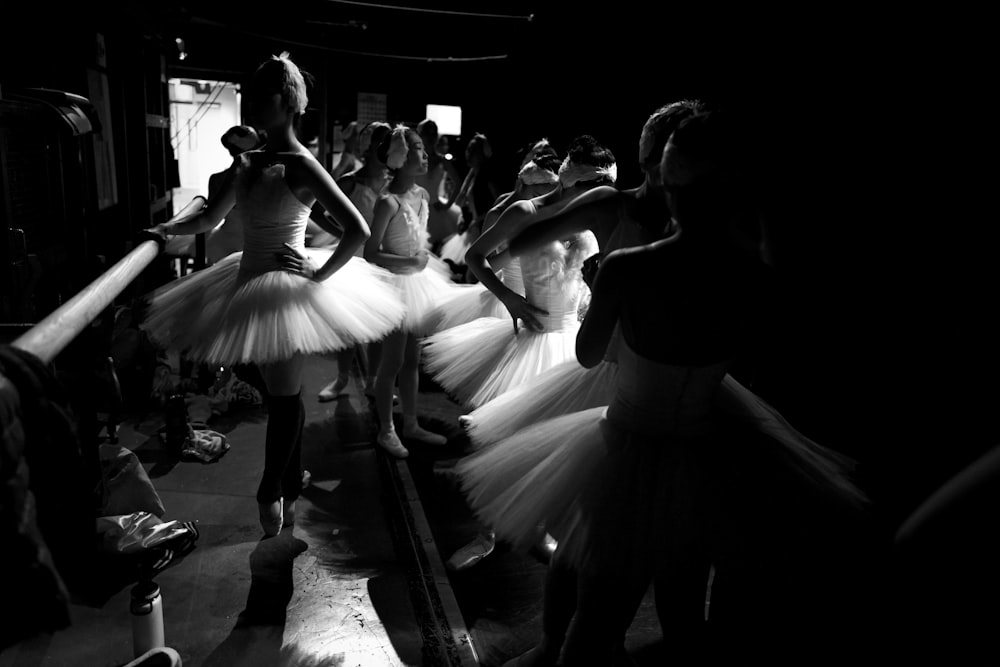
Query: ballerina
351, 159
444, 216
363, 187
399, 243
671, 477
454, 248
536, 178
619, 219
481, 360
276, 302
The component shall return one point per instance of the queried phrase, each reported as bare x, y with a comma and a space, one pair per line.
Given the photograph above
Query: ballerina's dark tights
283, 450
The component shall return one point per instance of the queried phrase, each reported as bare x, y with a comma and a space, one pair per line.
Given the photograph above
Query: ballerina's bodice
653, 397
406, 233
512, 277
271, 215
553, 282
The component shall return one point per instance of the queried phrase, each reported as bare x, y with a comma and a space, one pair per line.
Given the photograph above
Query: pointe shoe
413, 432
333, 390
472, 553
288, 513
270, 517
389, 441
465, 421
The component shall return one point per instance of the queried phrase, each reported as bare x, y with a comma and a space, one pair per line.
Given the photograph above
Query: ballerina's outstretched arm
594, 210
215, 211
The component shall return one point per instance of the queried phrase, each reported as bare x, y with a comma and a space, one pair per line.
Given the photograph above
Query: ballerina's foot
471, 553
414, 432
390, 442
333, 390
536, 657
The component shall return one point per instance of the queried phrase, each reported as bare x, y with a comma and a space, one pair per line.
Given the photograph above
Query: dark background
868, 138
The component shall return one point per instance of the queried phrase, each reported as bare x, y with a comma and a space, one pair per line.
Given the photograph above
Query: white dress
483, 359
247, 309
406, 235
477, 302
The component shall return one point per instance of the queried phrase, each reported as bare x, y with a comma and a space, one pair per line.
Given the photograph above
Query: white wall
198, 130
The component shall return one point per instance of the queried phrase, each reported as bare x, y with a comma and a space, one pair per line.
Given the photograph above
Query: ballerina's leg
283, 439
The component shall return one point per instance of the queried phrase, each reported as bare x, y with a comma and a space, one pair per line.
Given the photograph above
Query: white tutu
567, 388
478, 361
466, 306
222, 317
454, 248
597, 486
423, 292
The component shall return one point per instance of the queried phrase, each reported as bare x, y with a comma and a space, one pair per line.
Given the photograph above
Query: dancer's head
536, 148
240, 139
428, 131
588, 164
657, 130
351, 138
478, 150
277, 93
369, 139
698, 178
402, 151
539, 176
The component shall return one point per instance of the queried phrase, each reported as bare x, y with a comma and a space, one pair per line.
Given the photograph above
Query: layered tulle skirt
483, 359
564, 389
423, 292
454, 248
610, 493
222, 316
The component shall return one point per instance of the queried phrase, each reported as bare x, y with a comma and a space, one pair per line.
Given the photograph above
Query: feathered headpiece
571, 173
398, 149
532, 174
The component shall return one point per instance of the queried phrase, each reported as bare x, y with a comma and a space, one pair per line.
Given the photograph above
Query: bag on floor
127, 488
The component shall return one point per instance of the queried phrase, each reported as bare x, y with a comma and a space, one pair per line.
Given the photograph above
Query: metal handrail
49, 337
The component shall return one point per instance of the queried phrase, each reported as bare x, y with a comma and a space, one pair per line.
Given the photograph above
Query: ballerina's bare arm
452, 172
385, 208
355, 230
602, 316
510, 223
593, 210
209, 217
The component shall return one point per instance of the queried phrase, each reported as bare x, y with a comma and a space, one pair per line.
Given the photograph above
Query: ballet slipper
271, 516
288, 514
472, 553
412, 431
389, 441
333, 390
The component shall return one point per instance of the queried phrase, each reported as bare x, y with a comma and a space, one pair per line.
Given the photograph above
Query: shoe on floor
389, 441
472, 553
414, 432
331, 391
270, 517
